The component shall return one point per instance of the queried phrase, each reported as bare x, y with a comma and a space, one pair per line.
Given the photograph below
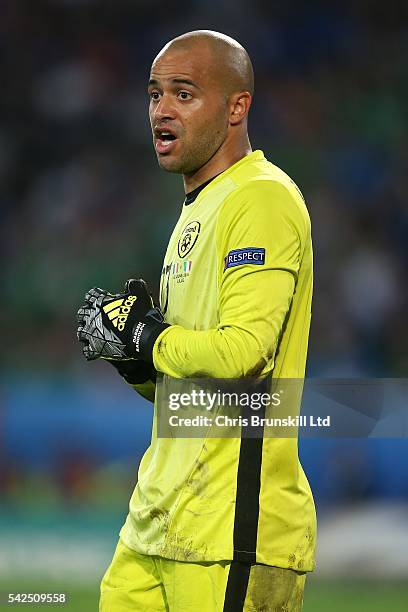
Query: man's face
188, 112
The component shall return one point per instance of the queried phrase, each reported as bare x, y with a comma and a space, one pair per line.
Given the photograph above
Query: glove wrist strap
145, 334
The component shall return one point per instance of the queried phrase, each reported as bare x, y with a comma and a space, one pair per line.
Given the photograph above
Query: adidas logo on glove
118, 311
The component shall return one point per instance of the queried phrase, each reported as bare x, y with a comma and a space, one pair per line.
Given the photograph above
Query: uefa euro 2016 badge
188, 238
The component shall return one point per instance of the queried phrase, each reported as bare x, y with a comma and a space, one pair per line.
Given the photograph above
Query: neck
225, 157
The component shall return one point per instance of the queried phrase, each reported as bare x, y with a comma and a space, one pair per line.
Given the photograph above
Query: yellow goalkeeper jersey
236, 288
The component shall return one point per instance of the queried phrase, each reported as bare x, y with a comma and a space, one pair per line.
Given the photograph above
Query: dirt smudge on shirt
274, 589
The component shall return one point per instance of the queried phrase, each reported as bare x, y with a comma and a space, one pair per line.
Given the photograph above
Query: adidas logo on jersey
118, 311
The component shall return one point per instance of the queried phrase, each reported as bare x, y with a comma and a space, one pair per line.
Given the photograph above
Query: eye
154, 95
184, 95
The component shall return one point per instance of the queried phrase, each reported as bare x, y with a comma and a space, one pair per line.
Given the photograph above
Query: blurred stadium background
83, 203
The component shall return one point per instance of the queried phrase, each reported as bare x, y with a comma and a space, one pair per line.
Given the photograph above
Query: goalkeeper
214, 524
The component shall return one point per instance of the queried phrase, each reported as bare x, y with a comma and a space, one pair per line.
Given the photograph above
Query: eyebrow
179, 81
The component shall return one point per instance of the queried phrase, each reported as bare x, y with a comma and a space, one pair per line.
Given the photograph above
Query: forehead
196, 64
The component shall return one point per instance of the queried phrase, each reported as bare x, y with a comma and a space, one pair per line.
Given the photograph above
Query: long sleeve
254, 295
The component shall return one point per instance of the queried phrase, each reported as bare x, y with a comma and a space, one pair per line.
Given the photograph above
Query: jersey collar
254, 156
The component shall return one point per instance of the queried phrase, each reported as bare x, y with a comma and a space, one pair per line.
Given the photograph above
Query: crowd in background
83, 202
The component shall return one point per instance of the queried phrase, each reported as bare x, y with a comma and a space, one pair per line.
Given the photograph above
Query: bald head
200, 90
228, 61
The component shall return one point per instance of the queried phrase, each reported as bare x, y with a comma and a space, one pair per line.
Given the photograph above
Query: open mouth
166, 137
164, 141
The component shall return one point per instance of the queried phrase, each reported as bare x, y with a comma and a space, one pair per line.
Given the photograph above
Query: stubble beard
195, 158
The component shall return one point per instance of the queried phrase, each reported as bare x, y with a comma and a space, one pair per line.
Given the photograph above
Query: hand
120, 326
134, 371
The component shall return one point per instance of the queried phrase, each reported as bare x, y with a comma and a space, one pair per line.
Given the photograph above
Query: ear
239, 107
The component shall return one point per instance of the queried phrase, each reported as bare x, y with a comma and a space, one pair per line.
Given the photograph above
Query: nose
163, 109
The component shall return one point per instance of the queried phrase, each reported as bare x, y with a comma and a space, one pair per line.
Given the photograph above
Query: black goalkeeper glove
120, 326
134, 371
